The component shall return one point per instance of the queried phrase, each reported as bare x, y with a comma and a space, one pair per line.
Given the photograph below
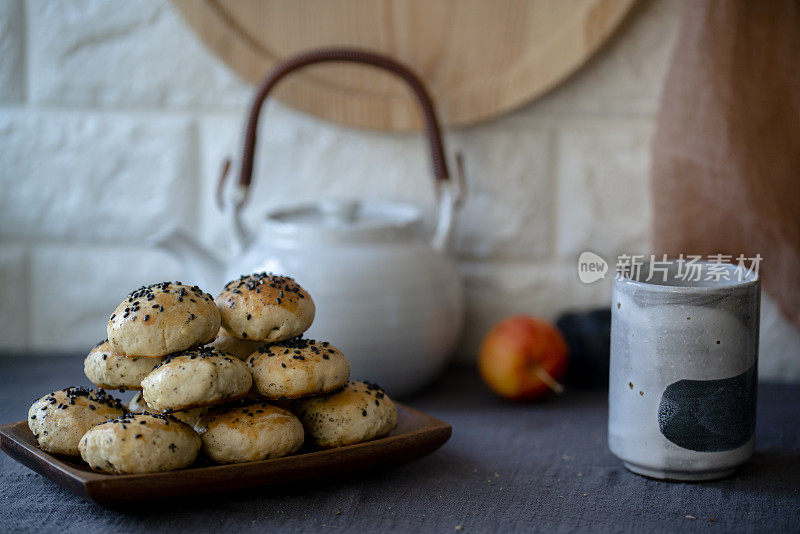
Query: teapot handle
353, 55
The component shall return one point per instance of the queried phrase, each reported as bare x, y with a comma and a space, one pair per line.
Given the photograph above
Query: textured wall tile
137, 52
626, 76
74, 289
496, 291
298, 159
603, 189
508, 208
13, 298
12, 51
93, 176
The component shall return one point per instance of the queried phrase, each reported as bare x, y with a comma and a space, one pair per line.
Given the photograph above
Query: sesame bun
265, 307
161, 319
59, 419
109, 369
140, 443
198, 377
360, 412
190, 417
248, 433
298, 368
240, 348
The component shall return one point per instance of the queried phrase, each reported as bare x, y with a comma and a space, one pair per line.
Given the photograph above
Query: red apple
523, 358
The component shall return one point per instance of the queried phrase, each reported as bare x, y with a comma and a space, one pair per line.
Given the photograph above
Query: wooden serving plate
478, 58
415, 436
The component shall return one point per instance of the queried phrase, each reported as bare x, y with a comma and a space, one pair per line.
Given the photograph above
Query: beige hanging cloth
726, 154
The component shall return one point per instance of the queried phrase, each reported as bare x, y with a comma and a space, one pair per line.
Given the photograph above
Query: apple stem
549, 381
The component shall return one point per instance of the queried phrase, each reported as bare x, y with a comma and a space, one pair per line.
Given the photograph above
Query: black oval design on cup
709, 415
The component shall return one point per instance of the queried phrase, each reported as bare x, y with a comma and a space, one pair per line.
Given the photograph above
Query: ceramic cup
684, 352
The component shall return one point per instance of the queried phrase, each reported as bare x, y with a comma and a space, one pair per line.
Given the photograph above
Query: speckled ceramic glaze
682, 387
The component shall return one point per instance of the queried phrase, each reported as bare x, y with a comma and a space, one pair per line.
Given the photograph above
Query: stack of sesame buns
207, 372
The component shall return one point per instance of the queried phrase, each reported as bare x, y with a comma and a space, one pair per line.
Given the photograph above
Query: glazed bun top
249, 432
359, 412
244, 415
265, 307
298, 367
163, 318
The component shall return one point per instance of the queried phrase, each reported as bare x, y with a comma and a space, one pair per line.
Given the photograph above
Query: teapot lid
345, 219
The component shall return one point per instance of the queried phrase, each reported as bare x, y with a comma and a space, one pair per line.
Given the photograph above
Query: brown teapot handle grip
351, 55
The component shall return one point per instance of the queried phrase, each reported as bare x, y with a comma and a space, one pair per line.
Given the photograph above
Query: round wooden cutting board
480, 58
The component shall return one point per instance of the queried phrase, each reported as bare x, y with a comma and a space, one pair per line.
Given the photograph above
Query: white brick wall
14, 306
114, 121
602, 197
90, 176
12, 36
75, 286
131, 54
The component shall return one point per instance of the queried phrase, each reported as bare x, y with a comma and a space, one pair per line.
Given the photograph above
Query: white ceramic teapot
391, 300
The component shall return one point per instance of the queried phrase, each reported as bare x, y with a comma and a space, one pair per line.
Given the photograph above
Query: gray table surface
507, 468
